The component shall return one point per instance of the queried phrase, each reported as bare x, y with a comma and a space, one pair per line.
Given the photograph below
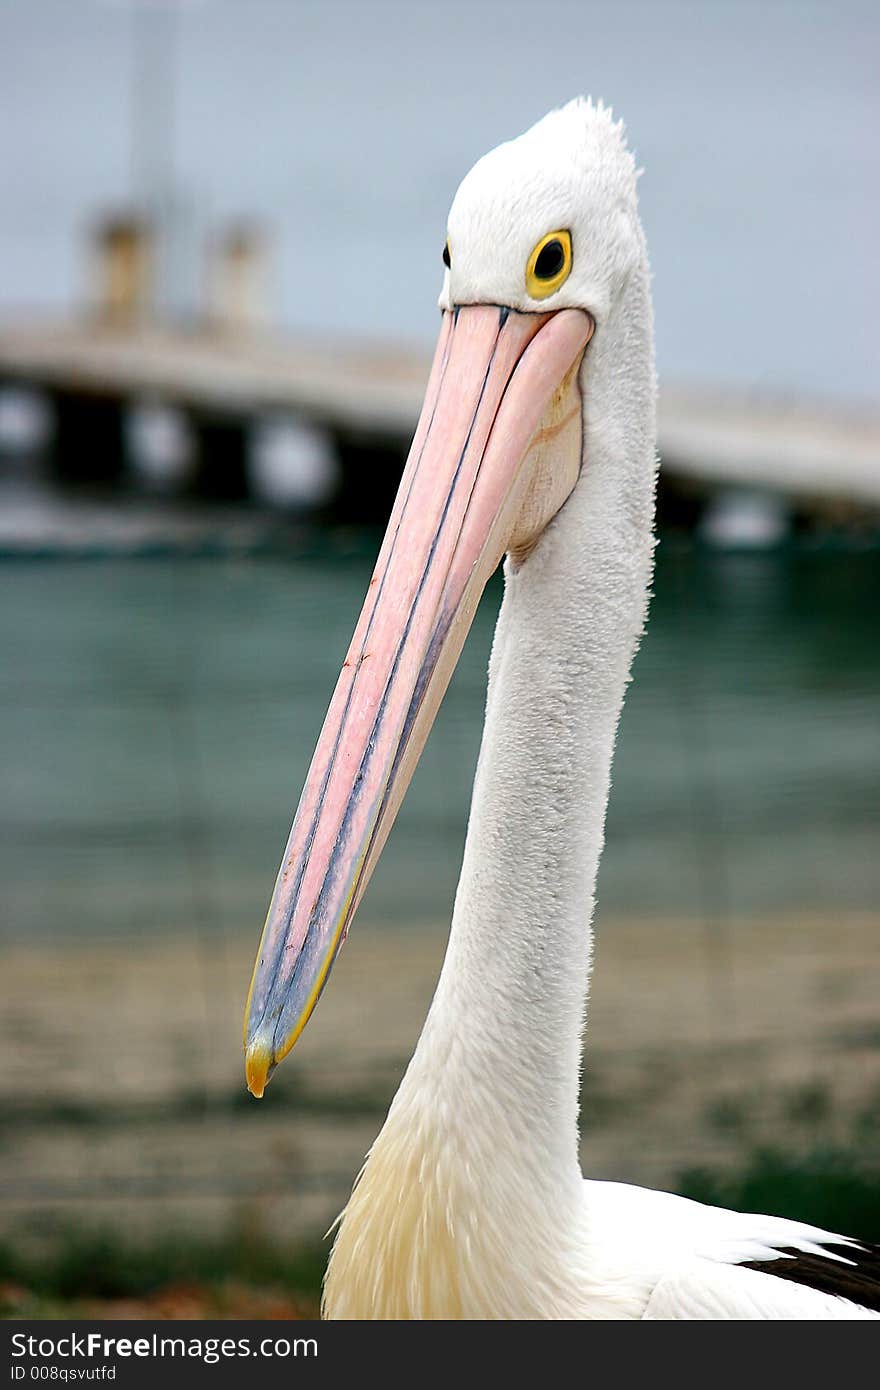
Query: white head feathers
571, 171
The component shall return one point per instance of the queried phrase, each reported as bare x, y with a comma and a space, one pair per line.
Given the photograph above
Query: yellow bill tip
257, 1062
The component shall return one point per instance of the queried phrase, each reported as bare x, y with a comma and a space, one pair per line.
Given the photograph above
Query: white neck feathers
471, 1199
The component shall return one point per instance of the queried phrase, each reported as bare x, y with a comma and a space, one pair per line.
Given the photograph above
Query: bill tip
257, 1064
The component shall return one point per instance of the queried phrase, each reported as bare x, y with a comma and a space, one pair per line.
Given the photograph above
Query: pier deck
372, 393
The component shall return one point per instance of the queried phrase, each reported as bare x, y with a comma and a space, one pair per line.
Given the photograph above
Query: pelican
536, 442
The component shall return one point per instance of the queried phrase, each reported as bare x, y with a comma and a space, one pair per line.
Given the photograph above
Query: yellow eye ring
549, 265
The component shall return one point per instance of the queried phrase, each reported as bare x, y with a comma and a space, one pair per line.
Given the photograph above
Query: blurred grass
824, 1169
826, 1186
240, 1274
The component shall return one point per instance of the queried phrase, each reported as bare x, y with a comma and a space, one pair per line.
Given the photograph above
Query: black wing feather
858, 1280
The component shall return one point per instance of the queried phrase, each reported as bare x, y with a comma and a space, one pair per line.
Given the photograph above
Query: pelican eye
549, 265
447, 258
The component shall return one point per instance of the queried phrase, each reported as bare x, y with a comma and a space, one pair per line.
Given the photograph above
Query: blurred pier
363, 400
157, 388
362, 404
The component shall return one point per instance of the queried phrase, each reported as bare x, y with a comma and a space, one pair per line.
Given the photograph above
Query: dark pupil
551, 259
447, 260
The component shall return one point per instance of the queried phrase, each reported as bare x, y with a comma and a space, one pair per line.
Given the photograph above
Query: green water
158, 716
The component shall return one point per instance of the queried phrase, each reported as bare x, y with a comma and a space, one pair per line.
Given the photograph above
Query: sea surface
157, 717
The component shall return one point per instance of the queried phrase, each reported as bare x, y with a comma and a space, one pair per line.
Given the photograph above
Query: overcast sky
346, 128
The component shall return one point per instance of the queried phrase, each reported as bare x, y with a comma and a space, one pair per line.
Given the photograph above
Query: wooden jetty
368, 396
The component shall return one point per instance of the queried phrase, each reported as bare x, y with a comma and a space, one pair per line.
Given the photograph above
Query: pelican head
542, 235
571, 173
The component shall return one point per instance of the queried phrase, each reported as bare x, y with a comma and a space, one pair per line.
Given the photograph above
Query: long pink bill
495, 373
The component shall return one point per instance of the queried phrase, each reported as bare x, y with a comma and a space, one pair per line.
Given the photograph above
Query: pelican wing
696, 1261
718, 1292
